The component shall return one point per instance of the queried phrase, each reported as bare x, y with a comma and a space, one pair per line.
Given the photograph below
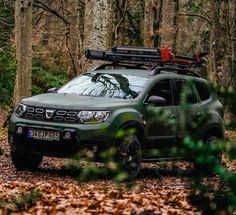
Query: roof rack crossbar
175, 70
145, 56
103, 66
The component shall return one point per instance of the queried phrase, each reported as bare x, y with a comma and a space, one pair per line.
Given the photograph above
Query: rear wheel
129, 155
25, 160
206, 169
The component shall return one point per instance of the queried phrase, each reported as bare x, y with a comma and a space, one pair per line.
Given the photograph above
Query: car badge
49, 114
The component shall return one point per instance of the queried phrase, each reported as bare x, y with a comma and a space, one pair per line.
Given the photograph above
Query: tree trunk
148, 23
97, 29
73, 39
234, 48
168, 29
220, 70
23, 25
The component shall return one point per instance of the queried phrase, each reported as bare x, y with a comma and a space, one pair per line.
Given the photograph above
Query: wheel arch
214, 130
139, 130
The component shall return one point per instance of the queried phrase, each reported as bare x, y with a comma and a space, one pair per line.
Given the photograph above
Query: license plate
43, 135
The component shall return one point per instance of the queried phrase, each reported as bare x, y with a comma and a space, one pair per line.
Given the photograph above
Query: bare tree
23, 38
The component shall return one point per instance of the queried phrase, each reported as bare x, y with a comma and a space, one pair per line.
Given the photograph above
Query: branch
121, 20
197, 15
45, 7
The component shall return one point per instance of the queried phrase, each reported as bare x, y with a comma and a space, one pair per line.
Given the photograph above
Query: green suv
90, 111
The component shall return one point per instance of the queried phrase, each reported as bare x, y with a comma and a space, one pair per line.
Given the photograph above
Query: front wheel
25, 160
129, 155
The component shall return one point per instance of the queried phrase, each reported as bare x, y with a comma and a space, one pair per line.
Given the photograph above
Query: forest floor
55, 189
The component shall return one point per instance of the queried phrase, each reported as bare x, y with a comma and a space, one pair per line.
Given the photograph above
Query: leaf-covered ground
55, 189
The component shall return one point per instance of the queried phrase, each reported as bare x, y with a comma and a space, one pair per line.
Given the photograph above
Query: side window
185, 92
163, 89
203, 90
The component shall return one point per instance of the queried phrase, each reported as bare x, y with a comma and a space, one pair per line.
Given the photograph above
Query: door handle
197, 115
173, 116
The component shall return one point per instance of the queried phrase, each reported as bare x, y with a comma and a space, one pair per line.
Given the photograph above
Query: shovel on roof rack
145, 56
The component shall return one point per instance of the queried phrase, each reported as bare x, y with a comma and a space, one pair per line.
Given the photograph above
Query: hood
67, 101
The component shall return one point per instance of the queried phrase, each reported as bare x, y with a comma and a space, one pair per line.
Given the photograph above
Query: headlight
93, 116
20, 110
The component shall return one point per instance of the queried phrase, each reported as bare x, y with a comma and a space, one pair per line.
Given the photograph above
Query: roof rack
177, 70
145, 56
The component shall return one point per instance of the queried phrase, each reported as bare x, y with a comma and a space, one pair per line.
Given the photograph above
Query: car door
160, 133
188, 110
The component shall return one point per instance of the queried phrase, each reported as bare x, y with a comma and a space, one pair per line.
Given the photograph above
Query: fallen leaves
159, 189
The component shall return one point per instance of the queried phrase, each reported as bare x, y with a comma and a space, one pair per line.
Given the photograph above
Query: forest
43, 45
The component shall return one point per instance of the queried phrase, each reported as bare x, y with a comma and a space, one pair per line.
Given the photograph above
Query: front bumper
95, 137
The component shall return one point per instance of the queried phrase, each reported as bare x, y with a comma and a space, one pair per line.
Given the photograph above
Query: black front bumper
61, 149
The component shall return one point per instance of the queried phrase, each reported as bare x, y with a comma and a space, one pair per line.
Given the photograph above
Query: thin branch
197, 15
45, 7
121, 20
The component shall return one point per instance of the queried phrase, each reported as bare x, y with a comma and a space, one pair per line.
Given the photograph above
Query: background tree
149, 23
98, 27
23, 34
169, 23
73, 39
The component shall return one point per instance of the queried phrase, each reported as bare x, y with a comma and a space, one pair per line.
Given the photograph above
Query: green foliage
6, 22
92, 171
21, 203
7, 76
26, 201
209, 198
46, 76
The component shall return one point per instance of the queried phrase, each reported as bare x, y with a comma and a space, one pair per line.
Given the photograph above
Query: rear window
203, 90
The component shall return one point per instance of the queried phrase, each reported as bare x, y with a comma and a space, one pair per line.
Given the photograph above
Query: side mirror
52, 90
156, 100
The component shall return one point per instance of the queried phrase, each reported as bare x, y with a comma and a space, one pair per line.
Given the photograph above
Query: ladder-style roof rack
153, 57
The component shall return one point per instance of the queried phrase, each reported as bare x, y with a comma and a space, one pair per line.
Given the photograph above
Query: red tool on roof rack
145, 56
168, 56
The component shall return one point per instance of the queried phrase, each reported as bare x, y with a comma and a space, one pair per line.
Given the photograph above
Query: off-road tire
129, 155
25, 160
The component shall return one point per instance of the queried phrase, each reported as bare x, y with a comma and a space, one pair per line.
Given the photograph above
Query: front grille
51, 115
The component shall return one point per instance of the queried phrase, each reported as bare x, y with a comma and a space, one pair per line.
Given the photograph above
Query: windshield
105, 85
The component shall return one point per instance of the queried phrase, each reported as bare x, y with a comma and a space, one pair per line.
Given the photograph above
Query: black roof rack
177, 70
145, 56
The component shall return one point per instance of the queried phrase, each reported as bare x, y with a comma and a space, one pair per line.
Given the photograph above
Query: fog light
19, 130
67, 135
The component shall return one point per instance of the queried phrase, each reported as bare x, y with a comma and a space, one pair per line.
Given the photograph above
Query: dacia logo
49, 114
